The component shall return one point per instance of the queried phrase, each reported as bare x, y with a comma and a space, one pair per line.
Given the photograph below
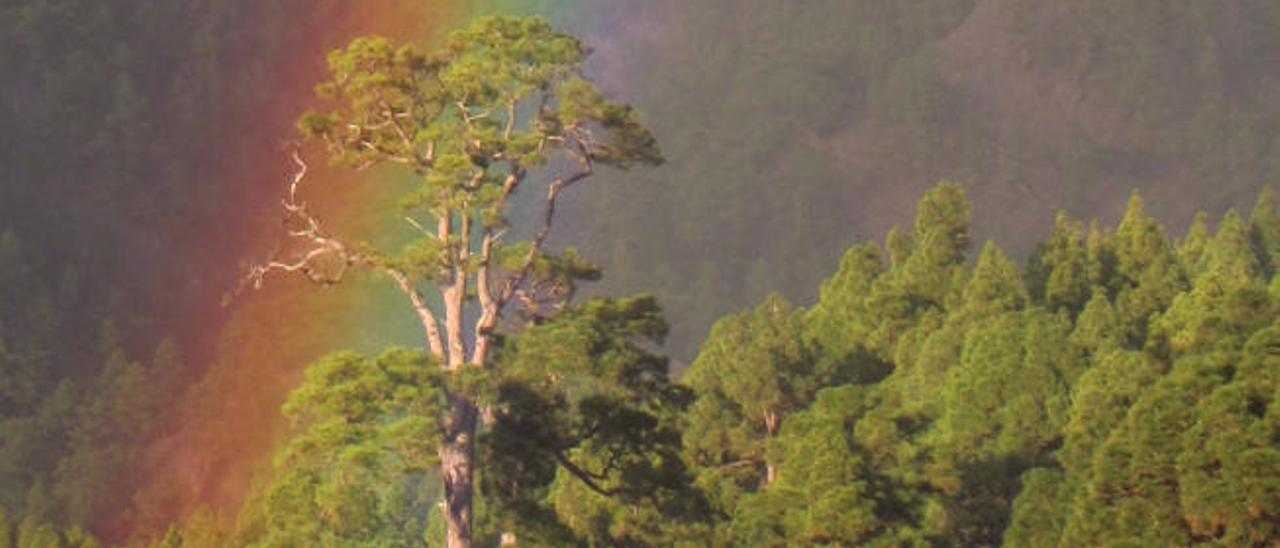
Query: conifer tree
1264, 230
1229, 468
503, 106
1037, 517
825, 490
1147, 271
994, 287
840, 323
1097, 329
941, 240
754, 369
1191, 248
1064, 259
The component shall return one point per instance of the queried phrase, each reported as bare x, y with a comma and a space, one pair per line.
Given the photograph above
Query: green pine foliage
582, 445
1115, 391
348, 477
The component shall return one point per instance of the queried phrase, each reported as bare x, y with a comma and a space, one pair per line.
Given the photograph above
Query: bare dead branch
320, 244
586, 169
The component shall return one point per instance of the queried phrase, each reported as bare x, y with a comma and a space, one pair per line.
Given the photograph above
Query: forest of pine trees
1120, 388
1117, 390
1113, 383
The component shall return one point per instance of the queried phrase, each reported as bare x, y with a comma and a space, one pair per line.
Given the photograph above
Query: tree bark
457, 466
771, 421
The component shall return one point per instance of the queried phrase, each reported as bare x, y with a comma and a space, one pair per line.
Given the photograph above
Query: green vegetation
502, 106
107, 187
1120, 389
1112, 392
1111, 385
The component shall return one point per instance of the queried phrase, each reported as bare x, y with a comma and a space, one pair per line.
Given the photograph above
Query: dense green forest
1118, 389
1109, 384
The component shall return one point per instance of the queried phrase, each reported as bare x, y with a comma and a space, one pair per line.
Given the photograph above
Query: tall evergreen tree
504, 105
754, 370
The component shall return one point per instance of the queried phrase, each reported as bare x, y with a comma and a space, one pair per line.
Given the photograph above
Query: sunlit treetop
504, 102
502, 91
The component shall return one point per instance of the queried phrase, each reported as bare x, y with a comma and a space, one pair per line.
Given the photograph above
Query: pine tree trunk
771, 421
457, 463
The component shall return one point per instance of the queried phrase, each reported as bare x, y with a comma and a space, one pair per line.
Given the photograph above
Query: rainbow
227, 425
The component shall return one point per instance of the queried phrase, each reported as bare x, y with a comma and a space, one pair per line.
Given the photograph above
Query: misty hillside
790, 129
